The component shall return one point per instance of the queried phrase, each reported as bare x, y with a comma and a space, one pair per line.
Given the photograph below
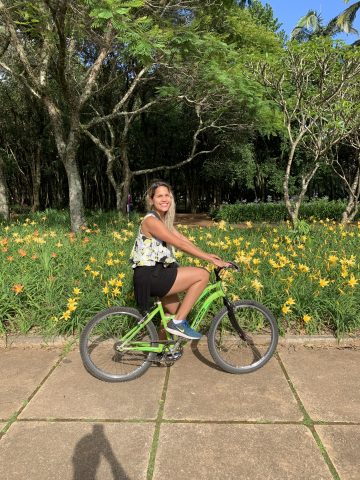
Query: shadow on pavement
88, 453
202, 358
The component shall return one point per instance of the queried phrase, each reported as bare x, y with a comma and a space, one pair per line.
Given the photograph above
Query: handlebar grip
231, 265
234, 265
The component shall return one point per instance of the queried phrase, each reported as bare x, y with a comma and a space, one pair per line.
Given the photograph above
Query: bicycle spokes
107, 355
244, 336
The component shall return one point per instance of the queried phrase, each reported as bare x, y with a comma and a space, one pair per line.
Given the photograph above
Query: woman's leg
191, 280
171, 304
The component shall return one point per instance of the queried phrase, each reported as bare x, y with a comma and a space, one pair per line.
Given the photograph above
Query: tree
141, 65
196, 63
348, 170
46, 40
58, 53
311, 83
311, 24
24, 136
120, 144
264, 15
186, 57
4, 199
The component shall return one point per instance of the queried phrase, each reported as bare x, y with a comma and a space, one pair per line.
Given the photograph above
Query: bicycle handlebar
231, 265
234, 265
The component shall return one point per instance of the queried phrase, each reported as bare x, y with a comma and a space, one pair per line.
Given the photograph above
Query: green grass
52, 282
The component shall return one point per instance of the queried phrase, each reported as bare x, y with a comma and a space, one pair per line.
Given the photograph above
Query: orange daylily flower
17, 288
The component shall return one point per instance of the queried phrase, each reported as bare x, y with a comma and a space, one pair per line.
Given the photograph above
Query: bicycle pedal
169, 357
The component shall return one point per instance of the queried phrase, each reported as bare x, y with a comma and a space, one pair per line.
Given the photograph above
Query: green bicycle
119, 344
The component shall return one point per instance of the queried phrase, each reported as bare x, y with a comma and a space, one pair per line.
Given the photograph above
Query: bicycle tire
99, 341
260, 337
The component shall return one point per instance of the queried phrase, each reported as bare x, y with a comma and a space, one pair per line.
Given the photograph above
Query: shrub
277, 212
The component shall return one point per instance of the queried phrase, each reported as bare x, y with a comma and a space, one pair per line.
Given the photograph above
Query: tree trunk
305, 183
293, 210
194, 197
122, 189
288, 204
187, 198
67, 150
352, 206
76, 204
4, 201
36, 179
350, 211
110, 157
126, 183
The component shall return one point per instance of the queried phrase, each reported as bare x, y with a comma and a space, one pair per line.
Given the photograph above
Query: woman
156, 272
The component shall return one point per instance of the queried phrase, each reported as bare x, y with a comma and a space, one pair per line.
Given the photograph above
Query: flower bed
53, 281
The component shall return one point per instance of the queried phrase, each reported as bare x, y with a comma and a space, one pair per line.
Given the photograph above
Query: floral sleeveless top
149, 251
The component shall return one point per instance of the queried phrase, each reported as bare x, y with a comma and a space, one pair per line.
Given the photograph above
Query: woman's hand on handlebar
217, 261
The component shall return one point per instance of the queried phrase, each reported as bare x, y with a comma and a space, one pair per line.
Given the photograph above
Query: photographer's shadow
89, 452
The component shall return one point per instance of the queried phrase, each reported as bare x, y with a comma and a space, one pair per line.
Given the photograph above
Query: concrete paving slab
199, 390
21, 341
75, 450
71, 392
276, 452
21, 371
342, 444
327, 381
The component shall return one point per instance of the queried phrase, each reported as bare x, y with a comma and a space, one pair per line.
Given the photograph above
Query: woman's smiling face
161, 200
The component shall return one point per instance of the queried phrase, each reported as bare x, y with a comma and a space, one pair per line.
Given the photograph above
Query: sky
288, 13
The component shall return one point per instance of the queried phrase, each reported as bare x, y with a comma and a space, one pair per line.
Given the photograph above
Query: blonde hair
170, 214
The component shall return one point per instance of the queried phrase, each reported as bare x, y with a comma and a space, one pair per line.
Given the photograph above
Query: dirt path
193, 219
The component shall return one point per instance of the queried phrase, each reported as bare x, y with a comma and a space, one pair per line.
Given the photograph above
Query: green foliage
168, 91
264, 15
142, 35
200, 54
277, 212
238, 167
301, 229
53, 281
255, 212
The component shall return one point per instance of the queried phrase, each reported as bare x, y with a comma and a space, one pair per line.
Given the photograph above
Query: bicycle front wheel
245, 342
101, 347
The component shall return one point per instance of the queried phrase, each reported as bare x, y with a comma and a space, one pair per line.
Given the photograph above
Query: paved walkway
296, 418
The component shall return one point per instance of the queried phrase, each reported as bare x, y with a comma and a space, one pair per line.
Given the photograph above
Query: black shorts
154, 281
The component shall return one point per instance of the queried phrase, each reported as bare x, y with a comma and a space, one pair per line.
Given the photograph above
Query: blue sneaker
182, 329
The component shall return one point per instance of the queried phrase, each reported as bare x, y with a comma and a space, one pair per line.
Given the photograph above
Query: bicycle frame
212, 292
243, 328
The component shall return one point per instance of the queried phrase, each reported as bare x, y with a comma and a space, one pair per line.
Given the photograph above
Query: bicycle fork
230, 308
235, 324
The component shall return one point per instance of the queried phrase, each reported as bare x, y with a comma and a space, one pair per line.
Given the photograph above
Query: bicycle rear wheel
100, 345
247, 341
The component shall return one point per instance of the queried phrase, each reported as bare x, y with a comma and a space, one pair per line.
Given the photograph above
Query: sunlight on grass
53, 281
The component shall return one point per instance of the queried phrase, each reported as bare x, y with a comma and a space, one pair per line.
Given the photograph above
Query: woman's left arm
189, 242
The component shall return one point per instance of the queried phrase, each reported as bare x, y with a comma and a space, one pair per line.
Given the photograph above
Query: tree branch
94, 70
172, 167
111, 116
20, 77
19, 48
